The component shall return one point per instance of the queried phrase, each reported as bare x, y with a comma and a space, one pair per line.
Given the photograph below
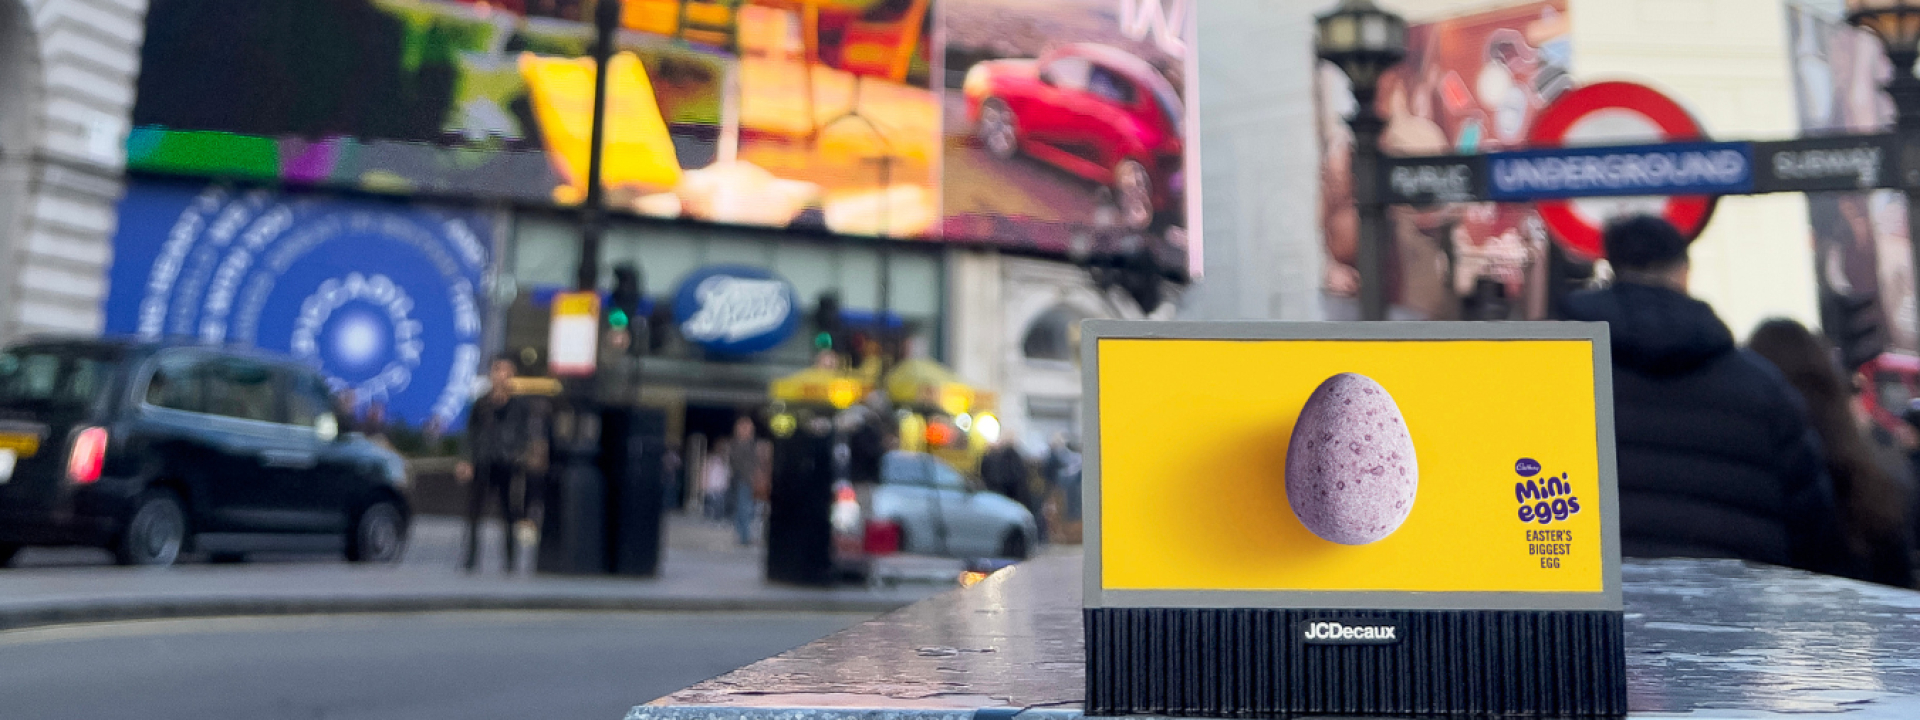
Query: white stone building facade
1014, 328
67, 74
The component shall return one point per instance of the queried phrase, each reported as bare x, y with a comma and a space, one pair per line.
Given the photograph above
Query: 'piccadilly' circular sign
736, 310
1616, 113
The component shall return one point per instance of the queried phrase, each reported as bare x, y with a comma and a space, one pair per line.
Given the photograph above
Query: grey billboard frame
1097, 596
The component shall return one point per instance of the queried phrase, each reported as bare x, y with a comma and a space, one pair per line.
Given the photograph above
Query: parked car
1092, 110
922, 506
1895, 382
151, 449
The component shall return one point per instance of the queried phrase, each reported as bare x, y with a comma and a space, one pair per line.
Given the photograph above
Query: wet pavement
1705, 639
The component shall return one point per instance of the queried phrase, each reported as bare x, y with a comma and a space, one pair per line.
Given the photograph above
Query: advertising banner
1860, 237
1343, 502
719, 111
1067, 117
1351, 465
382, 297
821, 115
1471, 84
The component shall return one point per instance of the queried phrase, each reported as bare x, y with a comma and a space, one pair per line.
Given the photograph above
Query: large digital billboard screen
983, 121
1860, 241
1470, 84
1065, 115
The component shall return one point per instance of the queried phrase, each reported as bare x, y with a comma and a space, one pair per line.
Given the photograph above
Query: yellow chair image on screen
639, 152
714, 23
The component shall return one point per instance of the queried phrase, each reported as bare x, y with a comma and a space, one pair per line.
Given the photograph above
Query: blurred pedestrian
1056, 459
1715, 455
1005, 471
673, 478
1871, 481
1054, 502
431, 433
714, 478
375, 422
867, 438
744, 470
499, 433
1069, 480
347, 411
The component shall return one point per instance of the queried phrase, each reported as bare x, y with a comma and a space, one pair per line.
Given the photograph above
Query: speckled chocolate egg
1351, 472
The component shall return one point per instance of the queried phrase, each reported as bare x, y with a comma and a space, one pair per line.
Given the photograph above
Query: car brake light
89, 454
883, 537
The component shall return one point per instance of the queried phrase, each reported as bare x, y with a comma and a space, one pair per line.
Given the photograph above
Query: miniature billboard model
1351, 519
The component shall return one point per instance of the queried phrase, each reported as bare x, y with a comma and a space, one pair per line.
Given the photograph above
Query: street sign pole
606, 21
577, 431
1374, 228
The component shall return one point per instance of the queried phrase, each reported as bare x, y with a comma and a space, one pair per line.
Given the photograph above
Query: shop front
731, 310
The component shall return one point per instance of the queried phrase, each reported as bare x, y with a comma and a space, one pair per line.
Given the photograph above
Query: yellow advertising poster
1349, 465
639, 150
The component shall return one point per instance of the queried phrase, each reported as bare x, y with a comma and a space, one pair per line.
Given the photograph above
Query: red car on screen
1095, 111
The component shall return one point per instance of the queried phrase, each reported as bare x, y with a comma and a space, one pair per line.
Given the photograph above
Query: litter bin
799, 529
573, 530
634, 441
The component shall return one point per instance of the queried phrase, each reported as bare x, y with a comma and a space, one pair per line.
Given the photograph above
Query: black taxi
152, 449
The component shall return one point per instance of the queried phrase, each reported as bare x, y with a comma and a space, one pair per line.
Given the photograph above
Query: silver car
922, 506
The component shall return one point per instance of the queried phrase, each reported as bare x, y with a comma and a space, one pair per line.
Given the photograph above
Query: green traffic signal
823, 341
617, 318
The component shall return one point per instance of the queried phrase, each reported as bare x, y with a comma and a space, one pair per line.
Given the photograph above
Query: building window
1054, 337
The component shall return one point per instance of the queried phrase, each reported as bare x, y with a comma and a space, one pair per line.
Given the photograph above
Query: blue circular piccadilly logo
736, 310
383, 298
1527, 467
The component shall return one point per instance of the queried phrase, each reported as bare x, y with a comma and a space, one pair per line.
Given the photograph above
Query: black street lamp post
1364, 41
606, 20
578, 535
1897, 23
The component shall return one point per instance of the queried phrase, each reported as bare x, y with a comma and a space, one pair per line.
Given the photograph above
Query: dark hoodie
1715, 454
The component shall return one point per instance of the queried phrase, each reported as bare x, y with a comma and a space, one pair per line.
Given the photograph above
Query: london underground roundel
1613, 113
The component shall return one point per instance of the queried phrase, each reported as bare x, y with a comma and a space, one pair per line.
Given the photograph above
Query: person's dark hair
504, 357
1872, 501
1644, 243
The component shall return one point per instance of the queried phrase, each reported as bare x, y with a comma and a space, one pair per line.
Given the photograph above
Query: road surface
456, 666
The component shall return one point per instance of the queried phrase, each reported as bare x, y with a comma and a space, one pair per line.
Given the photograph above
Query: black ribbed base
1255, 663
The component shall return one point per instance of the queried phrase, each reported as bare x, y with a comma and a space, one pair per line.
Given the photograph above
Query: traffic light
1857, 326
1140, 273
623, 312
829, 327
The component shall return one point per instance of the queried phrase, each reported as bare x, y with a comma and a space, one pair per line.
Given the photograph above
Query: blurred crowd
1765, 453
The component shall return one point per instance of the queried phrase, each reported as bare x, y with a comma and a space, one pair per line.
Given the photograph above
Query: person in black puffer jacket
1716, 458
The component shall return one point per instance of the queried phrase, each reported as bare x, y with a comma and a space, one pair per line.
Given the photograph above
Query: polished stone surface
1705, 638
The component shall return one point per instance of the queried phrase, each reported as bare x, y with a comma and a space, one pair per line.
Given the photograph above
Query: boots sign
736, 310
